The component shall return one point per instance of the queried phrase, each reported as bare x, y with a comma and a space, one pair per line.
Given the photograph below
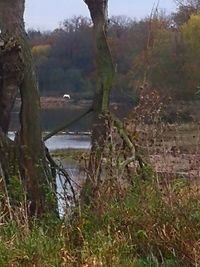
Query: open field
172, 150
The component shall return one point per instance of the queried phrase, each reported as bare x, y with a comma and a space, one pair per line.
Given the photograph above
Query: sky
48, 14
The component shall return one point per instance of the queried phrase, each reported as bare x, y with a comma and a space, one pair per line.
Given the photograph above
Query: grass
146, 225
151, 223
33, 247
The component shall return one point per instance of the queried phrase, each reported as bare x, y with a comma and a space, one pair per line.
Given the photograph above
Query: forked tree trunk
17, 75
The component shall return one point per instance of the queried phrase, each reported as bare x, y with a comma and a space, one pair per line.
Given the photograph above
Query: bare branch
66, 125
63, 171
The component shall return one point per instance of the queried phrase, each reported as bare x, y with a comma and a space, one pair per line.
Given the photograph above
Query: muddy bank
63, 103
58, 103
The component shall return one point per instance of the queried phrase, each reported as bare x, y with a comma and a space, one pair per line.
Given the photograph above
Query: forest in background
161, 51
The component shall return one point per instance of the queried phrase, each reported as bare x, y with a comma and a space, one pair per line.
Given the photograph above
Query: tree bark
18, 76
98, 11
11, 16
105, 68
101, 126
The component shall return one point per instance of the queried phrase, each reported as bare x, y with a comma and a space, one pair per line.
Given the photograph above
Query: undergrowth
147, 224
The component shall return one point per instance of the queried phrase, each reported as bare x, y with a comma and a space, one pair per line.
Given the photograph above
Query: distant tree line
161, 51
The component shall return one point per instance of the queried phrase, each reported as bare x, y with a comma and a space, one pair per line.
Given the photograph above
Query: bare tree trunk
103, 119
101, 126
18, 75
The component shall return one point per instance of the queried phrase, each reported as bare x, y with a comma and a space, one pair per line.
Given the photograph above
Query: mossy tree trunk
98, 11
18, 76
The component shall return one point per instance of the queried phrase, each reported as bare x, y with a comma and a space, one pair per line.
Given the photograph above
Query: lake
52, 118
64, 141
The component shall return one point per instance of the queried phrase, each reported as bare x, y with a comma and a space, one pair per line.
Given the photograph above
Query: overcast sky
47, 14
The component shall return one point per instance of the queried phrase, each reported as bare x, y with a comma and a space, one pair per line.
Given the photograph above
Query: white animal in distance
66, 96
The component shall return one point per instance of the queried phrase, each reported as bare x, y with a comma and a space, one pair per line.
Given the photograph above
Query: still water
64, 141
52, 118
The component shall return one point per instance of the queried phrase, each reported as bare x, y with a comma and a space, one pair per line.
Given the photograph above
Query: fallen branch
131, 146
123, 134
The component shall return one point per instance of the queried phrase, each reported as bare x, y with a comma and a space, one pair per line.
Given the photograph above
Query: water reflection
52, 118
68, 141
64, 141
